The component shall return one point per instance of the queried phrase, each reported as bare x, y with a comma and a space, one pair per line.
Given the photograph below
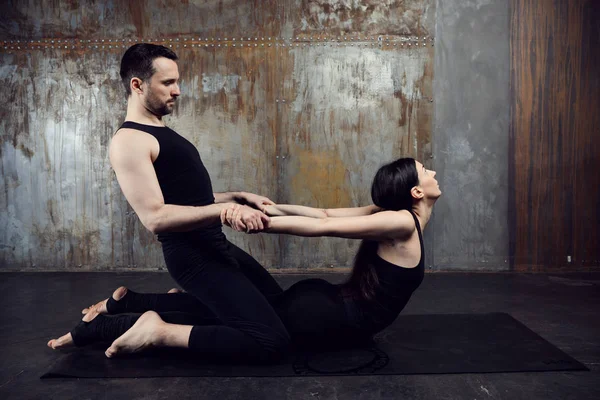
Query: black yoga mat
413, 344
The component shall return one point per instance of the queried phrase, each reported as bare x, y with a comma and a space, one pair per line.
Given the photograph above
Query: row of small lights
109, 43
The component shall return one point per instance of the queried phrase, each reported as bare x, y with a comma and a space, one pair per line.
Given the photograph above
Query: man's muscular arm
131, 158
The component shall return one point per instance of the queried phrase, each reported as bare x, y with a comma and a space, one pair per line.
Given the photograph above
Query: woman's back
317, 312
395, 282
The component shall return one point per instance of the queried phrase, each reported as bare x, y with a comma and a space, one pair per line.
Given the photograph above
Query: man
164, 180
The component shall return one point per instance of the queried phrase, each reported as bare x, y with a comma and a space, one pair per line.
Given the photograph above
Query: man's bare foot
66, 341
145, 333
117, 295
101, 305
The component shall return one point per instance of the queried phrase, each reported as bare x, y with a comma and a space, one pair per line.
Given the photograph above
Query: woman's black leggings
228, 300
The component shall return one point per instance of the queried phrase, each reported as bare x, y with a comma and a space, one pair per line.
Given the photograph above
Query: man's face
162, 90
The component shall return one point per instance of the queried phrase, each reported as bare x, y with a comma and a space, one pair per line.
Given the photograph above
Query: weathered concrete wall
470, 135
300, 101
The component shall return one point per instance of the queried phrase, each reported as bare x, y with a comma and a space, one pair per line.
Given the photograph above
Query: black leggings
238, 310
227, 300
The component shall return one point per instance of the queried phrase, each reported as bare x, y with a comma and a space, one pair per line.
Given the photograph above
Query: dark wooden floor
564, 309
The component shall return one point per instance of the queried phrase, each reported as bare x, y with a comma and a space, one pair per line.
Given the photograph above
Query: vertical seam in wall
511, 209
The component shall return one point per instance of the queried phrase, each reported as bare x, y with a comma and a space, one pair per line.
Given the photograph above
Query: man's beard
157, 107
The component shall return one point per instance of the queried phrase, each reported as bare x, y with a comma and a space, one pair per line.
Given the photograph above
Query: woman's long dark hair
390, 191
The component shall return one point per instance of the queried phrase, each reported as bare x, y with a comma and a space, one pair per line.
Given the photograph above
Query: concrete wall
300, 101
470, 137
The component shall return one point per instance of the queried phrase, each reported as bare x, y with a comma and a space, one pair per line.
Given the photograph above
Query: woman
389, 267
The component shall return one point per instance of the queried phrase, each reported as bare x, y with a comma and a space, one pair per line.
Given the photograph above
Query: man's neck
137, 113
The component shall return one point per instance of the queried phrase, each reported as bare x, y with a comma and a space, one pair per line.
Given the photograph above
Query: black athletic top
396, 286
182, 176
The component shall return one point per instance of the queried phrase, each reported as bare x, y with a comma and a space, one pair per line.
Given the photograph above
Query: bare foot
101, 305
117, 295
66, 341
145, 333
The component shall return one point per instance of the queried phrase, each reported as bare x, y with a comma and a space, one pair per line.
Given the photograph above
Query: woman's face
427, 182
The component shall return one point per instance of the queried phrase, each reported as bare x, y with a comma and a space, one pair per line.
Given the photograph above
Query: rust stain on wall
369, 17
318, 178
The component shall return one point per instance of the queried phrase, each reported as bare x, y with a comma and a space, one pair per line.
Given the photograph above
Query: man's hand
256, 201
244, 219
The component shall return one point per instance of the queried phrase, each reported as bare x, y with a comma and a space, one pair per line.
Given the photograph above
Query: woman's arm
279, 210
353, 211
379, 226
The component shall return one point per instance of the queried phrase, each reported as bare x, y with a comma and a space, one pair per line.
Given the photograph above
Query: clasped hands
242, 218
247, 219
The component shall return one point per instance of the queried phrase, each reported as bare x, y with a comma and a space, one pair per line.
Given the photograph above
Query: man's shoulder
127, 138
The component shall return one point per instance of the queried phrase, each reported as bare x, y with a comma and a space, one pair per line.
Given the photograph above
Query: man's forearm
229, 197
173, 218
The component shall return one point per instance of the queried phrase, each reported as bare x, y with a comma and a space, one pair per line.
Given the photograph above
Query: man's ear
416, 192
136, 85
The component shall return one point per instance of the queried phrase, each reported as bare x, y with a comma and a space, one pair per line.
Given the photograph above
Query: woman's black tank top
396, 286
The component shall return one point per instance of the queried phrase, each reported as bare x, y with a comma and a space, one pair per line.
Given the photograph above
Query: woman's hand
256, 201
244, 219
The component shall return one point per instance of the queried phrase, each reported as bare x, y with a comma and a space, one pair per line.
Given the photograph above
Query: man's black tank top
182, 176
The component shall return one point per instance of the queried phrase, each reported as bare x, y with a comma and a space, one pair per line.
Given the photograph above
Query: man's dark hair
137, 62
